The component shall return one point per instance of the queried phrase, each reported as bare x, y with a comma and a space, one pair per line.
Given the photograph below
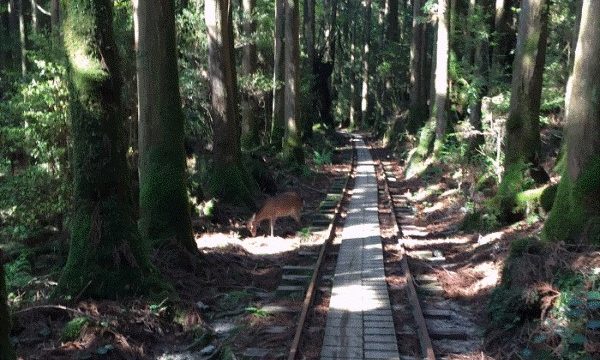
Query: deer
282, 205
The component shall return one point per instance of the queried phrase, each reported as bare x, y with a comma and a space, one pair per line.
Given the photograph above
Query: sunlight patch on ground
259, 245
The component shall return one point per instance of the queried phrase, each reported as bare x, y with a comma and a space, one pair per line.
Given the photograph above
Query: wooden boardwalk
359, 321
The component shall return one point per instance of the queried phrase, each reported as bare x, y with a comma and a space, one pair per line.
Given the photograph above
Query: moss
233, 184
107, 258
513, 183
574, 216
73, 329
416, 162
547, 197
164, 203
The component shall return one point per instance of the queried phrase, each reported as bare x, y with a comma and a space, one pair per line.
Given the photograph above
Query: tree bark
418, 76
575, 215
278, 122
522, 140
164, 204
292, 145
309, 42
434, 130
366, 64
4, 37
438, 107
6, 350
354, 85
22, 37
250, 109
55, 17
107, 257
504, 38
230, 180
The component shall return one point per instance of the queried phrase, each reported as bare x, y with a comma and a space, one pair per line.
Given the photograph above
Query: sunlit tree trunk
278, 122
522, 140
292, 144
354, 100
366, 64
164, 204
230, 180
6, 350
438, 107
575, 215
107, 257
250, 113
418, 76
434, 130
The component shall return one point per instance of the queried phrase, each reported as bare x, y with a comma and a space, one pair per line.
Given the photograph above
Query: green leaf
593, 295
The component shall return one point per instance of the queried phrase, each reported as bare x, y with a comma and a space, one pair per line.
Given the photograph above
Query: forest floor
221, 307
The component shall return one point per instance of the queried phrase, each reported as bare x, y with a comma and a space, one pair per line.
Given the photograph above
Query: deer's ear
253, 217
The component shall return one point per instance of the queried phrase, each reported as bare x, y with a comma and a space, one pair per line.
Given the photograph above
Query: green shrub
74, 328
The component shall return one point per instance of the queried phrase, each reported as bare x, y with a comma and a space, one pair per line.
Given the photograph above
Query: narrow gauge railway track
443, 327
307, 281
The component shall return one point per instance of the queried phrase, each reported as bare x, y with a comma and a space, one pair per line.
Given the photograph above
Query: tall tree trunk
278, 122
309, 42
292, 144
575, 215
438, 107
164, 204
481, 66
324, 66
522, 141
230, 180
55, 16
354, 115
250, 118
504, 38
107, 257
418, 76
434, 130
366, 64
4, 37
34, 17
22, 37
6, 350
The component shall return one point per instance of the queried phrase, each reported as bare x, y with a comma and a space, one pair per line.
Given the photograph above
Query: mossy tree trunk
6, 350
292, 144
522, 141
418, 65
230, 180
107, 257
575, 215
431, 137
164, 204
250, 109
366, 64
278, 121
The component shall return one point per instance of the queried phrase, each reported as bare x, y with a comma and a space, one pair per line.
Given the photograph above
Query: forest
144, 144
